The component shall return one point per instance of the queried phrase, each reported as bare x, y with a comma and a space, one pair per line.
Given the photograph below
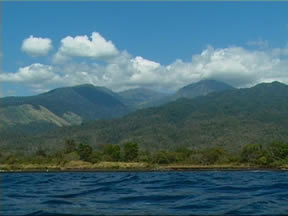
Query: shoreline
137, 170
80, 166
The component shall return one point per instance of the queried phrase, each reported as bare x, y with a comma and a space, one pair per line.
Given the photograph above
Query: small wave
57, 202
152, 198
22, 196
112, 180
45, 213
86, 192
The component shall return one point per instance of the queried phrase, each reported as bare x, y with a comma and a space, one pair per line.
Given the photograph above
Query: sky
159, 45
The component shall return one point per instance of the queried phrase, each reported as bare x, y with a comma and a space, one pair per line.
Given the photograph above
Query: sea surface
145, 193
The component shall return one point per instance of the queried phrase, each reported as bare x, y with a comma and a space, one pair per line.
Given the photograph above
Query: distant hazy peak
271, 84
139, 90
209, 83
202, 88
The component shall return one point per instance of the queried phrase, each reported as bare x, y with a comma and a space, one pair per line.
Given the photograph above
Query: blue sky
159, 45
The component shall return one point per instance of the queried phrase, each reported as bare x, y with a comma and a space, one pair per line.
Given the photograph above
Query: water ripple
145, 193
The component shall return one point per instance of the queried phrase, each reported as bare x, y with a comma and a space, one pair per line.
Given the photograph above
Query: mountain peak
202, 88
208, 81
84, 85
87, 101
270, 84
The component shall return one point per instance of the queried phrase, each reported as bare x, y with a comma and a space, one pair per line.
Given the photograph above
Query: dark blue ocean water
145, 193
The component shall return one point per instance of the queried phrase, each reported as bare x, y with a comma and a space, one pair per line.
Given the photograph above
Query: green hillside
25, 114
87, 101
78, 104
229, 119
59, 107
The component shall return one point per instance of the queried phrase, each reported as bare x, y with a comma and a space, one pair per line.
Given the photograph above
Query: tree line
273, 155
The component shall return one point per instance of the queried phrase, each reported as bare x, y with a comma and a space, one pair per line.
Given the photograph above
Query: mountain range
227, 117
78, 104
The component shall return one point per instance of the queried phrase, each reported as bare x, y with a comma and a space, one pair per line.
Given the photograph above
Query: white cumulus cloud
237, 66
81, 46
32, 74
234, 65
36, 46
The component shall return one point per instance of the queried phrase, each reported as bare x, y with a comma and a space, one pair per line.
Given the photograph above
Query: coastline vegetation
79, 156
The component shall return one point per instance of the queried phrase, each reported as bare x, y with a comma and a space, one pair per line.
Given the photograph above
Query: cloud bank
36, 46
235, 65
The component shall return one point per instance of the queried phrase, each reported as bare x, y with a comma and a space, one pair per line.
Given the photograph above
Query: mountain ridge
228, 119
202, 88
72, 105
86, 102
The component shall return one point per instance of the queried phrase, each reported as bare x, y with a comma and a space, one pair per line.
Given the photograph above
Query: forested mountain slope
229, 119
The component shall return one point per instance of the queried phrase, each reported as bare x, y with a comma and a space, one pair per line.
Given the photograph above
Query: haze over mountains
225, 117
141, 97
